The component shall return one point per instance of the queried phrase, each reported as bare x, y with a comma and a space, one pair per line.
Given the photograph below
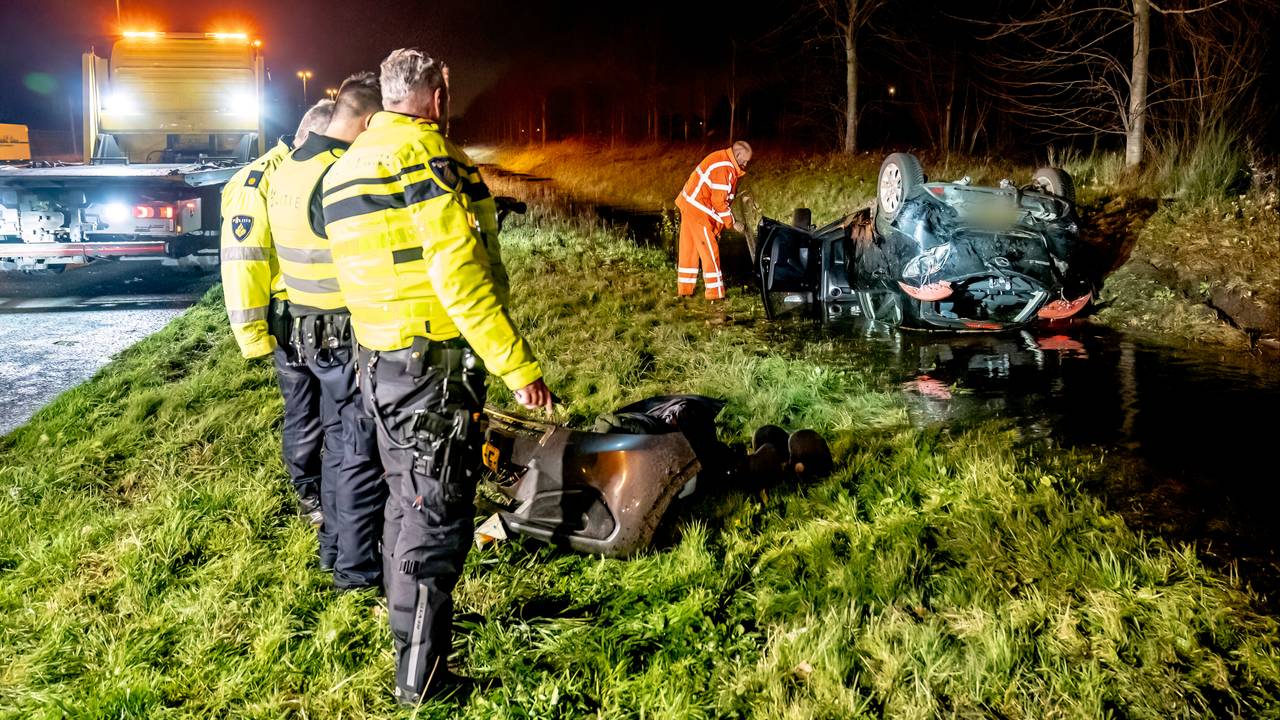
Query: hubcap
891, 188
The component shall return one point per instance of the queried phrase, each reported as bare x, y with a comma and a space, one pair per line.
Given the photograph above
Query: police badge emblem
241, 226
445, 170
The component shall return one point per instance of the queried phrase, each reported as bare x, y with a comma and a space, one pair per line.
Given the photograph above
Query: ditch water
1188, 434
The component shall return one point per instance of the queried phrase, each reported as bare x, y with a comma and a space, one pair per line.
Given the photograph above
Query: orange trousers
699, 240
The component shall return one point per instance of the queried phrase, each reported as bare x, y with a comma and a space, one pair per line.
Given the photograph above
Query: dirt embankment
1223, 255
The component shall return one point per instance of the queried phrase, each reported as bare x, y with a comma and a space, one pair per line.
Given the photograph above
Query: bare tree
845, 20
733, 93
1068, 69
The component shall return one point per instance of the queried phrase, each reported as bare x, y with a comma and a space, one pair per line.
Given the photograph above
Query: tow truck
168, 119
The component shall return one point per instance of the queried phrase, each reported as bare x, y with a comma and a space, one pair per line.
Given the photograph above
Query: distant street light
892, 91
305, 75
332, 93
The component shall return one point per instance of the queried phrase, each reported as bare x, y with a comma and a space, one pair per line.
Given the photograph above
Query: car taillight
930, 292
1061, 309
144, 212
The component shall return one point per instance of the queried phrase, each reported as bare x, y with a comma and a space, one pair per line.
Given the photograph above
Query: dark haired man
320, 335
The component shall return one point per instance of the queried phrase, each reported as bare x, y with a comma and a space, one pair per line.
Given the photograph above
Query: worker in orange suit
704, 212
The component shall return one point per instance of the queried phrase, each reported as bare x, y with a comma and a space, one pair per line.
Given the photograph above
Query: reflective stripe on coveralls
711, 186
698, 244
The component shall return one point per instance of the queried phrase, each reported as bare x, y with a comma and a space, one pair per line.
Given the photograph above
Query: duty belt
454, 357
316, 333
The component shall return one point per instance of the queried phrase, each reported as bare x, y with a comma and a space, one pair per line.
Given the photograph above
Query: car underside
935, 256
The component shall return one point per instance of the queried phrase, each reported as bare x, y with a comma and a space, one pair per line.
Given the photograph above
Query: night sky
483, 41
586, 60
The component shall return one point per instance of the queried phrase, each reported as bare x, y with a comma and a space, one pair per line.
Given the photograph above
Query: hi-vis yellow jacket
250, 275
297, 226
414, 236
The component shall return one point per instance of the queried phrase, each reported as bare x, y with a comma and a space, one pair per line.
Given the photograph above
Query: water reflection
1189, 451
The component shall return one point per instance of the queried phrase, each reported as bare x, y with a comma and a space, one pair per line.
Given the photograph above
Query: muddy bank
1204, 257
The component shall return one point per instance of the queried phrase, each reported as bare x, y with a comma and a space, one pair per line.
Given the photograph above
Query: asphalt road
56, 331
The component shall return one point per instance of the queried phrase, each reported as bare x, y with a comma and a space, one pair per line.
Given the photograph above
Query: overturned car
935, 255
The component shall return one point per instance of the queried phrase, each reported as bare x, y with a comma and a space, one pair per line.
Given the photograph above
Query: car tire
810, 455
769, 435
901, 177
1056, 182
802, 218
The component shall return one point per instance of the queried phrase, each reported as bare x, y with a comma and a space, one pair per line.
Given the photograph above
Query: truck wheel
1055, 181
802, 218
901, 177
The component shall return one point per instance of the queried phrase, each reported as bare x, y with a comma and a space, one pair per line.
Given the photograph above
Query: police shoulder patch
446, 171
241, 226
254, 178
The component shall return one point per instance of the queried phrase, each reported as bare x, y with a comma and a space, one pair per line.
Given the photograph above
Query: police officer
320, 335
414, 236
257, 306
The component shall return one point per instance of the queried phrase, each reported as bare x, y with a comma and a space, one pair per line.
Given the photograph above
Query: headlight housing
928, 262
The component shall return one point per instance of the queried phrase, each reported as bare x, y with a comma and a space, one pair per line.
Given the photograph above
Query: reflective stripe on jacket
414, 235
297, 226
250, 275
711, 187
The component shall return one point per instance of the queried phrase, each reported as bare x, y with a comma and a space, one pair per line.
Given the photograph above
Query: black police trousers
312, 471
354, 492
427, 411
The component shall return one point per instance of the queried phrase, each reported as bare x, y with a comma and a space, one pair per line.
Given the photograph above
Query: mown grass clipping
151, 567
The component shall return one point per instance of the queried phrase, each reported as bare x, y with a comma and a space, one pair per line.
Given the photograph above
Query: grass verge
151, 568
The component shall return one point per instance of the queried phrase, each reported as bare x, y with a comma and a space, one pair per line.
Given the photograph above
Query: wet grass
1188, 221
150, 566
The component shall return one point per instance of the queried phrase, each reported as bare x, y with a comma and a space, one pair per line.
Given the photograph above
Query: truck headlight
115, 213
119, 103
244, 105
928, 262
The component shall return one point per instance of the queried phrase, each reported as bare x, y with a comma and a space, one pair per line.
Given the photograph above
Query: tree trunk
706, 122
733, 93
1135, 128
949, 110
851, 83
543, 130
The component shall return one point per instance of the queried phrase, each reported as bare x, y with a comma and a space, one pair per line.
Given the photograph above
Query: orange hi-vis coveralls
704, 212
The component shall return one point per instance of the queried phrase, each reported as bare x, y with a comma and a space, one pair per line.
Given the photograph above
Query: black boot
448, 686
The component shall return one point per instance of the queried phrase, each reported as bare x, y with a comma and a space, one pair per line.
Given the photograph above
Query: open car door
789, 269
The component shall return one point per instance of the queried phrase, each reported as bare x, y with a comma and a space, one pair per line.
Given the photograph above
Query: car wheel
901, 176
769, 435
1055, 181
